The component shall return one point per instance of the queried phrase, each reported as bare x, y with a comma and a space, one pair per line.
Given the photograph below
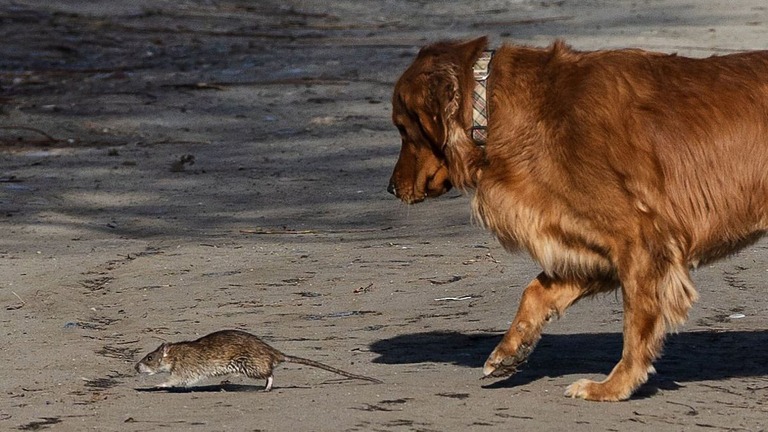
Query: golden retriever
615, 168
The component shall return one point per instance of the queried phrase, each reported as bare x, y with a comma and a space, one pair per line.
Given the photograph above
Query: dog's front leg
652, 297
543, 299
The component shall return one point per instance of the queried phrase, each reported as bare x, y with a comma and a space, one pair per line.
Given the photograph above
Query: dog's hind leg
544, 298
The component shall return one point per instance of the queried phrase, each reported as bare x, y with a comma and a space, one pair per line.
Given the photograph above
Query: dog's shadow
691, 356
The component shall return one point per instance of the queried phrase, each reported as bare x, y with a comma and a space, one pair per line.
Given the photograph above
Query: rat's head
155, 362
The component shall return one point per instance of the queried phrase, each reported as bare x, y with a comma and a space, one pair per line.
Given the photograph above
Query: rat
221, 353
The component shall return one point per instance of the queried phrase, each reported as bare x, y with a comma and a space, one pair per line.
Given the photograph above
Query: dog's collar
481, 70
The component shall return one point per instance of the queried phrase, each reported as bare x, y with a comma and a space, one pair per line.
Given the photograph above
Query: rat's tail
308, 362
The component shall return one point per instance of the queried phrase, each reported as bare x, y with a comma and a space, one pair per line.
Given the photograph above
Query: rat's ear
165, 349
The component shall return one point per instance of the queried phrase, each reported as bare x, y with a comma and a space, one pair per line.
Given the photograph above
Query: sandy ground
171, 168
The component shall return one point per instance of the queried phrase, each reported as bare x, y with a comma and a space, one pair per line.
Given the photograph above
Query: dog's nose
391, 188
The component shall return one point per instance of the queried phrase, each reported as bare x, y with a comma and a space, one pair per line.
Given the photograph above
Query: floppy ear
448, 83
443, 98
453, 87
472, 49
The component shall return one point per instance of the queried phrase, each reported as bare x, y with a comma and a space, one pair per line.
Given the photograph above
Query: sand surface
172, 168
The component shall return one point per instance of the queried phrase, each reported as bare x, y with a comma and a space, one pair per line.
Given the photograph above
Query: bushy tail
308, 362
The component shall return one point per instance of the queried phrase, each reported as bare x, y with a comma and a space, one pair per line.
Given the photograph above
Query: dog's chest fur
560, 243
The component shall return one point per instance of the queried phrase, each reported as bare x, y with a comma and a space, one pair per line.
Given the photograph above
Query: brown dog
611, 168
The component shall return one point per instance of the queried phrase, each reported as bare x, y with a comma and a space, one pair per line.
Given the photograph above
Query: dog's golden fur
612, 169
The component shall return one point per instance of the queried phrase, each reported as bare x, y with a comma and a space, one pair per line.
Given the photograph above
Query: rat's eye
149, 358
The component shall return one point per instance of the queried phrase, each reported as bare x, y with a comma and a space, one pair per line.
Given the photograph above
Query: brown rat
221, 353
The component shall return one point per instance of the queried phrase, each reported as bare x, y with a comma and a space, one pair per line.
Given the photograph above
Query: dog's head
432, 109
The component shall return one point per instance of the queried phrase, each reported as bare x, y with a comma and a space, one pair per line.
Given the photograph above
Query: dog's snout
391, 188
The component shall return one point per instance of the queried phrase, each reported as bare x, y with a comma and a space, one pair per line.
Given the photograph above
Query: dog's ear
453, 88
445, 88
443, 99
472, 49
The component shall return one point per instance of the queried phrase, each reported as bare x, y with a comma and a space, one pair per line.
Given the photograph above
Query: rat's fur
222, 353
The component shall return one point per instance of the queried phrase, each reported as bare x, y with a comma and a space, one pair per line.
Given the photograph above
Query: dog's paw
595, 391
579, 389
502, 368
501, 363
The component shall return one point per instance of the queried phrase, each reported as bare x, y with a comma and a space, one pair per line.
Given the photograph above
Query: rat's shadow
214, 388
691, 356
